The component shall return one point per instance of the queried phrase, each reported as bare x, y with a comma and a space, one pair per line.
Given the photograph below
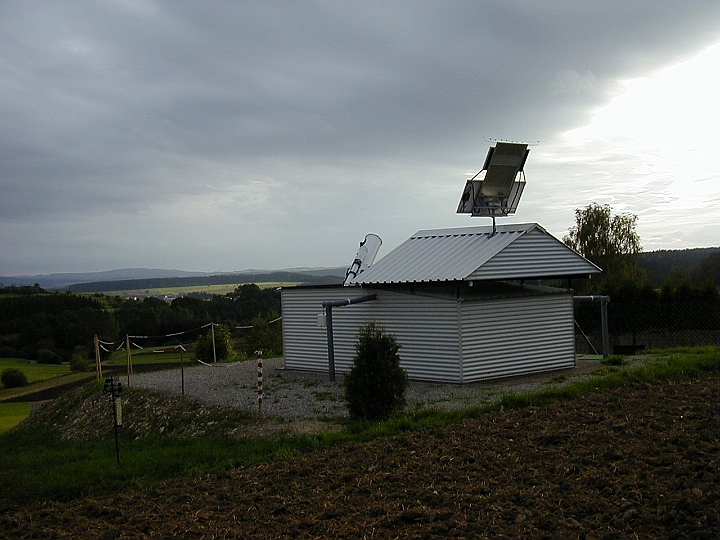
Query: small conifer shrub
375, 387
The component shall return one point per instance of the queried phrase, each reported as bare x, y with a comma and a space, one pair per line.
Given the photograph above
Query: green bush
203, 347
375, 387
79, 363
47, 356
13, 378
265, 337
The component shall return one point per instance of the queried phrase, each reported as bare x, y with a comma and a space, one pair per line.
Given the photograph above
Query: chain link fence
635, 326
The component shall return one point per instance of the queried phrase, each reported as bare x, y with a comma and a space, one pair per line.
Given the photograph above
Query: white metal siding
517, 336
426, 328
535, 254
441, 339
304, 343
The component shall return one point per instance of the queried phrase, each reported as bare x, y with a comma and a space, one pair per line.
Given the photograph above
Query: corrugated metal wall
425, 327
501, 337
517, 336
535, 254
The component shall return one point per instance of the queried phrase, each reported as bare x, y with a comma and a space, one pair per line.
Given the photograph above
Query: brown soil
637, 462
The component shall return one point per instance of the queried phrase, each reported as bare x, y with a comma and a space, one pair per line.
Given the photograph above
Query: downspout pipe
603, 318
349, 301
328, 305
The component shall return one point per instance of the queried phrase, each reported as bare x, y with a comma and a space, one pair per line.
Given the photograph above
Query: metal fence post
605, 333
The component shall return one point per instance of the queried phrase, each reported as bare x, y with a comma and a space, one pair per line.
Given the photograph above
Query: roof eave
587, 275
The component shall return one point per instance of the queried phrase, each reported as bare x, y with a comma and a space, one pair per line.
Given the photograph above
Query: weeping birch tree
609, 241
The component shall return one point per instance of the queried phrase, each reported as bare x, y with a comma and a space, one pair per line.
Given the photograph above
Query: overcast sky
222, 136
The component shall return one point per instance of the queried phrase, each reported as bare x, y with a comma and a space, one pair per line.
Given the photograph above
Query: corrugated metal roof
522, 251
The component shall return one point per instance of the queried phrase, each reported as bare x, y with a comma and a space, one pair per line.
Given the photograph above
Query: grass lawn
35, 372
11, 414
149, 356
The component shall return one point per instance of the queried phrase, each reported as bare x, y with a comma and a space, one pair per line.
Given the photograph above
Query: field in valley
220, 290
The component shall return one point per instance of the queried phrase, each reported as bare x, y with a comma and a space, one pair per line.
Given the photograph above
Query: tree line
674, 266
51, 327
612, 243
673, 300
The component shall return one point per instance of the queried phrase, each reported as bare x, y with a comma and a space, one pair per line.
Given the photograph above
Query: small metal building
456, 301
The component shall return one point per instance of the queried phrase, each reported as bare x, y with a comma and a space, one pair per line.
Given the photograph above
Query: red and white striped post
260, 382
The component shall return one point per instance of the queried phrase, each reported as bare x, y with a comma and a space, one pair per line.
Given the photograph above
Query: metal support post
328, 305
605, 332
330, 343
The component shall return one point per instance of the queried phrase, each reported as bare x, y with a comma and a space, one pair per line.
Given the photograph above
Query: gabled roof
523, 251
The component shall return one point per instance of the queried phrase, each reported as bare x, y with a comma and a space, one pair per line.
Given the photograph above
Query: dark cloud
117, 108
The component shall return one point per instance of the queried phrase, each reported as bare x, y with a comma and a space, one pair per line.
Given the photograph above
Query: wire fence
635, 326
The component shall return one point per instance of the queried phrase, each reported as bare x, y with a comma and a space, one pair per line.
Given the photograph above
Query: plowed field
636, 462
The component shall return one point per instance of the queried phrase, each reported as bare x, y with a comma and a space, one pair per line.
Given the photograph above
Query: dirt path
637, 462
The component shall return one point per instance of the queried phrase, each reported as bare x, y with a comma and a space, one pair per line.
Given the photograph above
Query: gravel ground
309, 395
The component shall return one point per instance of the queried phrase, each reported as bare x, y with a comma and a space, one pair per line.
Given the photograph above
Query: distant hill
325, 277
660, 264
73, 281
62, 280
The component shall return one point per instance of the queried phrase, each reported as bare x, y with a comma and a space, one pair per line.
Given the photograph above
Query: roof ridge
475, 230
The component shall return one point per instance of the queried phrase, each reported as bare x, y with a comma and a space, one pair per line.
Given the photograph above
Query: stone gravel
310, 395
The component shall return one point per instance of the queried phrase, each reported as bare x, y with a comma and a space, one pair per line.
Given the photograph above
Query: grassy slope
43, 376
11, 414
38, 464
39, 376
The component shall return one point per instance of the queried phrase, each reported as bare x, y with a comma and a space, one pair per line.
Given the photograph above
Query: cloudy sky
221, 136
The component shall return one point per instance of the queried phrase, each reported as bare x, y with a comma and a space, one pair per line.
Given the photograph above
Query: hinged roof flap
523, 251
